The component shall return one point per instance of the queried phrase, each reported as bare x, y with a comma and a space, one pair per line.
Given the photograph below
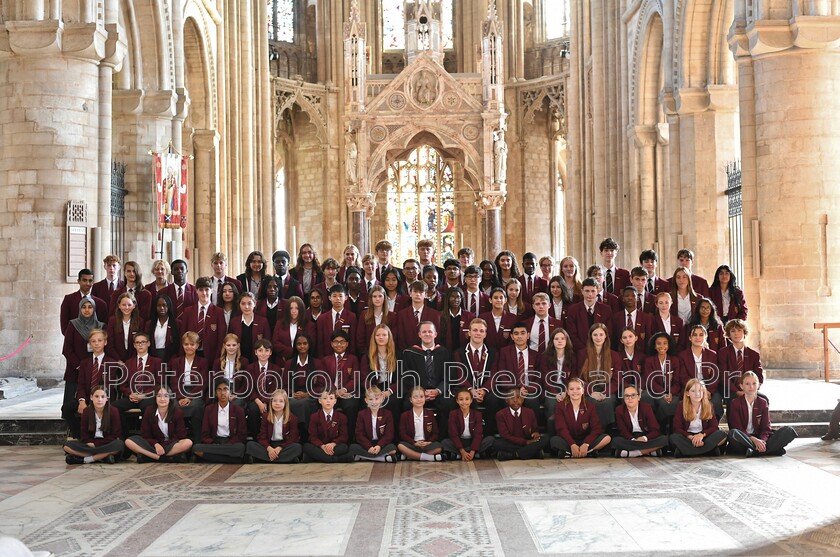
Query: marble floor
724, 506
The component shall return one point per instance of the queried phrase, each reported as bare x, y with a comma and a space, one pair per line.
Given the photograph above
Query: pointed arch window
421, 204
281, 20
557, 18
393, 24
446, 16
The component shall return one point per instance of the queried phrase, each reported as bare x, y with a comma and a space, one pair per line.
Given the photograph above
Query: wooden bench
826, 341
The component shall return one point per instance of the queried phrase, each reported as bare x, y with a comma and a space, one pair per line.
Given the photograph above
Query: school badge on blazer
213, 327
428, 427
505, 333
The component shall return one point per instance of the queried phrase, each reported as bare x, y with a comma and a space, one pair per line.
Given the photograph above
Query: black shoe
109, 459
831, 435
504, 455
73, 459
440, 457
678, 453
540, 455
391, 458
143, 459
716, 451
750, 452
249, 459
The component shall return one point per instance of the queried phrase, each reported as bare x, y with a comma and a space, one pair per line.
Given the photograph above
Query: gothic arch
199, 52
650, 73
701, 53
131, 72
649, 11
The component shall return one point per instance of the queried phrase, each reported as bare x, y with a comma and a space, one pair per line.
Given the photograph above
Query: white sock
88, 459
424, 456
624, 454
634, 453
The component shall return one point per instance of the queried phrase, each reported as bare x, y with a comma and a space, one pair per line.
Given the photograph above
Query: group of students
427, 347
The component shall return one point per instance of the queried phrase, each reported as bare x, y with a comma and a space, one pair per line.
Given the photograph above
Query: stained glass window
421, 204
557, 18
281, 20
446, 15
393, 25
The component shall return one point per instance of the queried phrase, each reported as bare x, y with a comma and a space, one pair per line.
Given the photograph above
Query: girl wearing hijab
76, 349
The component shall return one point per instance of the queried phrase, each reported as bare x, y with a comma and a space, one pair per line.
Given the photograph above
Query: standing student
736, 358
163, 435
704, 314
749, 424
654, 284
507, 269
665, 321
70, 304
466, 256
425, 365
392, 284
433, 298
287, 329
133, 284
603, 297
410, 273
220, 277
454, 323
419, 430
383, 251
663, 379
519, 434
94, 370
143, 372
100, 433
631, 317
632, 360
289, 286
557, 302
123, 326
581, 317
190, 383
489, 277
328, 433
528, 280
572, 281
558, 366
466, 431
727, 296
266, 377
352, 258
518, 366
498, 320
180, 290
546, 268
339, 318
452, 275
161, 272
638, 428
696, 431
228, 301
249, 326
380, 369
105, 288
356, 294
541, 324
254, 274
579, 431
377, 313
205, 319
163, 329
223, 430
475, 301
374, 431
76, 349
278, 441
426, 255
307, 271
232, 366
299, 371
645, 301
408, 320
313, 313
599, 367
269, 303
685, 299
369, 279
615, 278
343, 370
701, 363
685, 257
515, 304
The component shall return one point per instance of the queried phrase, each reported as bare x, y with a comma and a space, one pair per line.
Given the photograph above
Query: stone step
13, 387
26, 431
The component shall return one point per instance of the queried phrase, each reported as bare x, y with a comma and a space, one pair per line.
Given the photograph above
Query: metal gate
118, 192
736, 221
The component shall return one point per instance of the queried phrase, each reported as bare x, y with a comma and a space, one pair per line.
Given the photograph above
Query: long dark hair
397, 275
494, 279
171, 320
714, 321
732, 288
106, 413
445, 321
248, 271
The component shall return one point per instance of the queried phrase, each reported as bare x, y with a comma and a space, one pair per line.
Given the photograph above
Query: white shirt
98, 434
558, 308
187, 372
632, 316
277, 434
164, 427
223, 428
249, 323
375, 430
698, 365
666, 324
160, 333
726, 301
498, 321
634, 420
534, 338
750, 428
293, 329
684, 307
230, 368
126, 334
696, 425
467, 434
419, 434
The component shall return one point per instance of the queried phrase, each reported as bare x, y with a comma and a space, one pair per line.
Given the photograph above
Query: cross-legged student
374, 430
278, 441
223, 430
266, 379
100, 433
519, 434
696, 430
466, 431
163, 433
579, 432
328, 435
701, 363
638, 428
418, 430
749, 423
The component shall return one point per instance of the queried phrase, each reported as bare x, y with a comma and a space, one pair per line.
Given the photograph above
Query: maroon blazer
143, 297
347, 379
629, 366
74, 351
100, 290
215, 328
737, 415
552, 382
647, 421
727, 362
526, 313
317, 277
430, 431
242, 383
655, 378
134, 383
471, 377
290, 287
406, 327
507, 367
321, 432
681, 425
677, 328
150, 428
563, 312
190, 297
659, 285
282, 342
325, 327
262, 308
90, 377
620, 280
365, 330
611, 300
711, 373
236, 424
463, 324
295, 376
455, 428
643, 325
577, 322
114, 430
497, 338
615, 365
384, 428
227, 280
173, 344
199, 379
483, 303
264, 383
577, 431
116, 341
646, 303
737, 306
550, 326
259, 328
70, 309
290, 432
539, 285
356, 306
517, 433
401, 302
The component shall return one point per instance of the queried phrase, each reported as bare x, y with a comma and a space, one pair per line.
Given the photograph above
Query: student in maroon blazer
475, 301
121, 346
181, 292
249, 326
726, 282
212, 331
154, 444
76, 342
541, 304
478, 362
685, 258
189, 380
138, 387
269, 303
292, 322
99, 440
696, 430
70, 304
289, 286
466, 431
664, 321
663, 378
328, 433
266, 377
105, 288
90, 376
299, 370
645, 301
582, 316
579, 432
638, 428
422, 444
343, 370
220, 277
498, 320
749, 423
338, 318
374, 431
599, 367
408, 320
728, 359
376, 311
530, 281
558, 364
164, 322
704, 314
519, 434
134, 286
454, 322
279, 439
641, 321
709, 370
509, 374
655, 284
631, 369
619, 277
223, 430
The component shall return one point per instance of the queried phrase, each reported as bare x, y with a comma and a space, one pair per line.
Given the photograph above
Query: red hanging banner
171, 189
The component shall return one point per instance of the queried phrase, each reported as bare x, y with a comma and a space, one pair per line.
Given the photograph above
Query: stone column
643, 231
791, 150
205, 181
49, 155
359, 205
492, 203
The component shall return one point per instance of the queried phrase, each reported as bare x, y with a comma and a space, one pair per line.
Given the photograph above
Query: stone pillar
492, 203
791, 149
359, 205
49, 155
205, 181
643, 231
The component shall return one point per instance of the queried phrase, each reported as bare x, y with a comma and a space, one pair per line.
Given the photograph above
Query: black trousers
739, 442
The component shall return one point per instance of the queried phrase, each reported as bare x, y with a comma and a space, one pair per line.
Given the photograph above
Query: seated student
476, 372
190, 381
279, 439
298, 371
249, 326
408, 320
419, 430
736, 358
163, 433
328, 435
454, 323
424, 365
498, 320
529, 281
223, 430
581, 317
727, 296
234, 367
343, 371
558, 305
143, 372
638, 428
749, 423
338, 318
645, 301
557, 366
603, 297
266, 377
699, 362
630, 317
76, 350
287, 328
579, 431
519, 433
632, 360
517, 365
466, 431
515, 304
475, 301
704, 314
663, 380
100, 433
374, 431
696, 431
666, 322
599, 369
